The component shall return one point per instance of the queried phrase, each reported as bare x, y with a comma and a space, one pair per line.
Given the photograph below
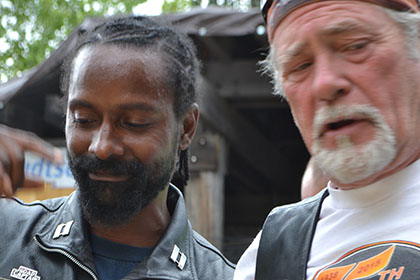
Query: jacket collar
68, 231
172, 256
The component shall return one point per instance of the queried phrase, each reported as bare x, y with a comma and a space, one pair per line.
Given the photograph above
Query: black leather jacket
50, 240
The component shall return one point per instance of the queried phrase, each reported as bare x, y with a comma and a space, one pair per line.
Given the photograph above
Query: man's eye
298, 71
357, 46
358, 50
136, 125
82, 120
301, 67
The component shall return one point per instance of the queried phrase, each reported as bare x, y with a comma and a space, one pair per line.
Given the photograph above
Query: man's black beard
114, 203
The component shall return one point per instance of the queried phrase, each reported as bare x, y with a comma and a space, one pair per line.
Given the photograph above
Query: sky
151, 7
154, 7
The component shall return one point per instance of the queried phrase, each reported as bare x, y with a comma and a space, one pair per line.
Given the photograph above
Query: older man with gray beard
349, 70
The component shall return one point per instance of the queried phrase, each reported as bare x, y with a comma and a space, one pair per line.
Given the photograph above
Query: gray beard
349, 163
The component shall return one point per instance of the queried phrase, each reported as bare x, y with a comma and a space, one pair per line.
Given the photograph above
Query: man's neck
143, 230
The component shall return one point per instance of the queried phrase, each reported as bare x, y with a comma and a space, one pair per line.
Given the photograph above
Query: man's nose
105, 143
329, 80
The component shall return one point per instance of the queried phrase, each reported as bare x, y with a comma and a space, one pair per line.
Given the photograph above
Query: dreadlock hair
178, 53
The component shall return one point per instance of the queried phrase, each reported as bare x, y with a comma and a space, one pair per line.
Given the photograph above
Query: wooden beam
204, 196
213, 45
234, 70
239, 79
243, 137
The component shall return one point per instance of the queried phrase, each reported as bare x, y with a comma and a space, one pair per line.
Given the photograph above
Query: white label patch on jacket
178, 257
24, 273
62, 229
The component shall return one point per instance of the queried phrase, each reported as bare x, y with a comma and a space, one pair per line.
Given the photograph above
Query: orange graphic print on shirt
391, 260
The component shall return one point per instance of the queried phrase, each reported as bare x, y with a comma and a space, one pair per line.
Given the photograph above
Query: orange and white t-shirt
371, 232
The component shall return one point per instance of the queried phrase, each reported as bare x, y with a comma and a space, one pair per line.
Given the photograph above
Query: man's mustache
112, 166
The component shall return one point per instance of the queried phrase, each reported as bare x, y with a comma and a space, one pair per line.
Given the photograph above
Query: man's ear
189, 126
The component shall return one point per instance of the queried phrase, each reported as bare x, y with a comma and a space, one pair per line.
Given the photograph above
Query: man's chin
112, 204
109, 195
107, 213
109, 206
351, 164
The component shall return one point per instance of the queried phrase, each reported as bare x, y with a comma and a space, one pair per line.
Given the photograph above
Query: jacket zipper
73, 259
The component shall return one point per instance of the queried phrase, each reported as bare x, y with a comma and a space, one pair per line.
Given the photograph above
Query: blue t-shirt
114, 260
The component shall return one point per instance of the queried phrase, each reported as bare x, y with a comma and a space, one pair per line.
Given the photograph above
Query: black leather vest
286, 240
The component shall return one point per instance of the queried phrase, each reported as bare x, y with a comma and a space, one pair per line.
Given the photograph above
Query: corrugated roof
213, 21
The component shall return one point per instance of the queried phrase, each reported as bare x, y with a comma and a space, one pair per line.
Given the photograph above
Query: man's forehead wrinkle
342, 27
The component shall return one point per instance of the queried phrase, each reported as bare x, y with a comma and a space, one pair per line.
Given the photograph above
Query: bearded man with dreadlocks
130, 94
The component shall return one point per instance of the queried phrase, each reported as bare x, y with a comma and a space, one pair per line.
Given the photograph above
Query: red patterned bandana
276, 10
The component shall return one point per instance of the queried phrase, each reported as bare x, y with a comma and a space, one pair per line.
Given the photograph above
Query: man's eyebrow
292, 51
137, 106
77, 103
74, 103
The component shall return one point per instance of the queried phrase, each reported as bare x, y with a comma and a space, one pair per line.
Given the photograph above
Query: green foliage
172, 6
181, 5
31, 29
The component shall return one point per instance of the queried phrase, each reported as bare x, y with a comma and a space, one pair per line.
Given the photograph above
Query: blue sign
58, 175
